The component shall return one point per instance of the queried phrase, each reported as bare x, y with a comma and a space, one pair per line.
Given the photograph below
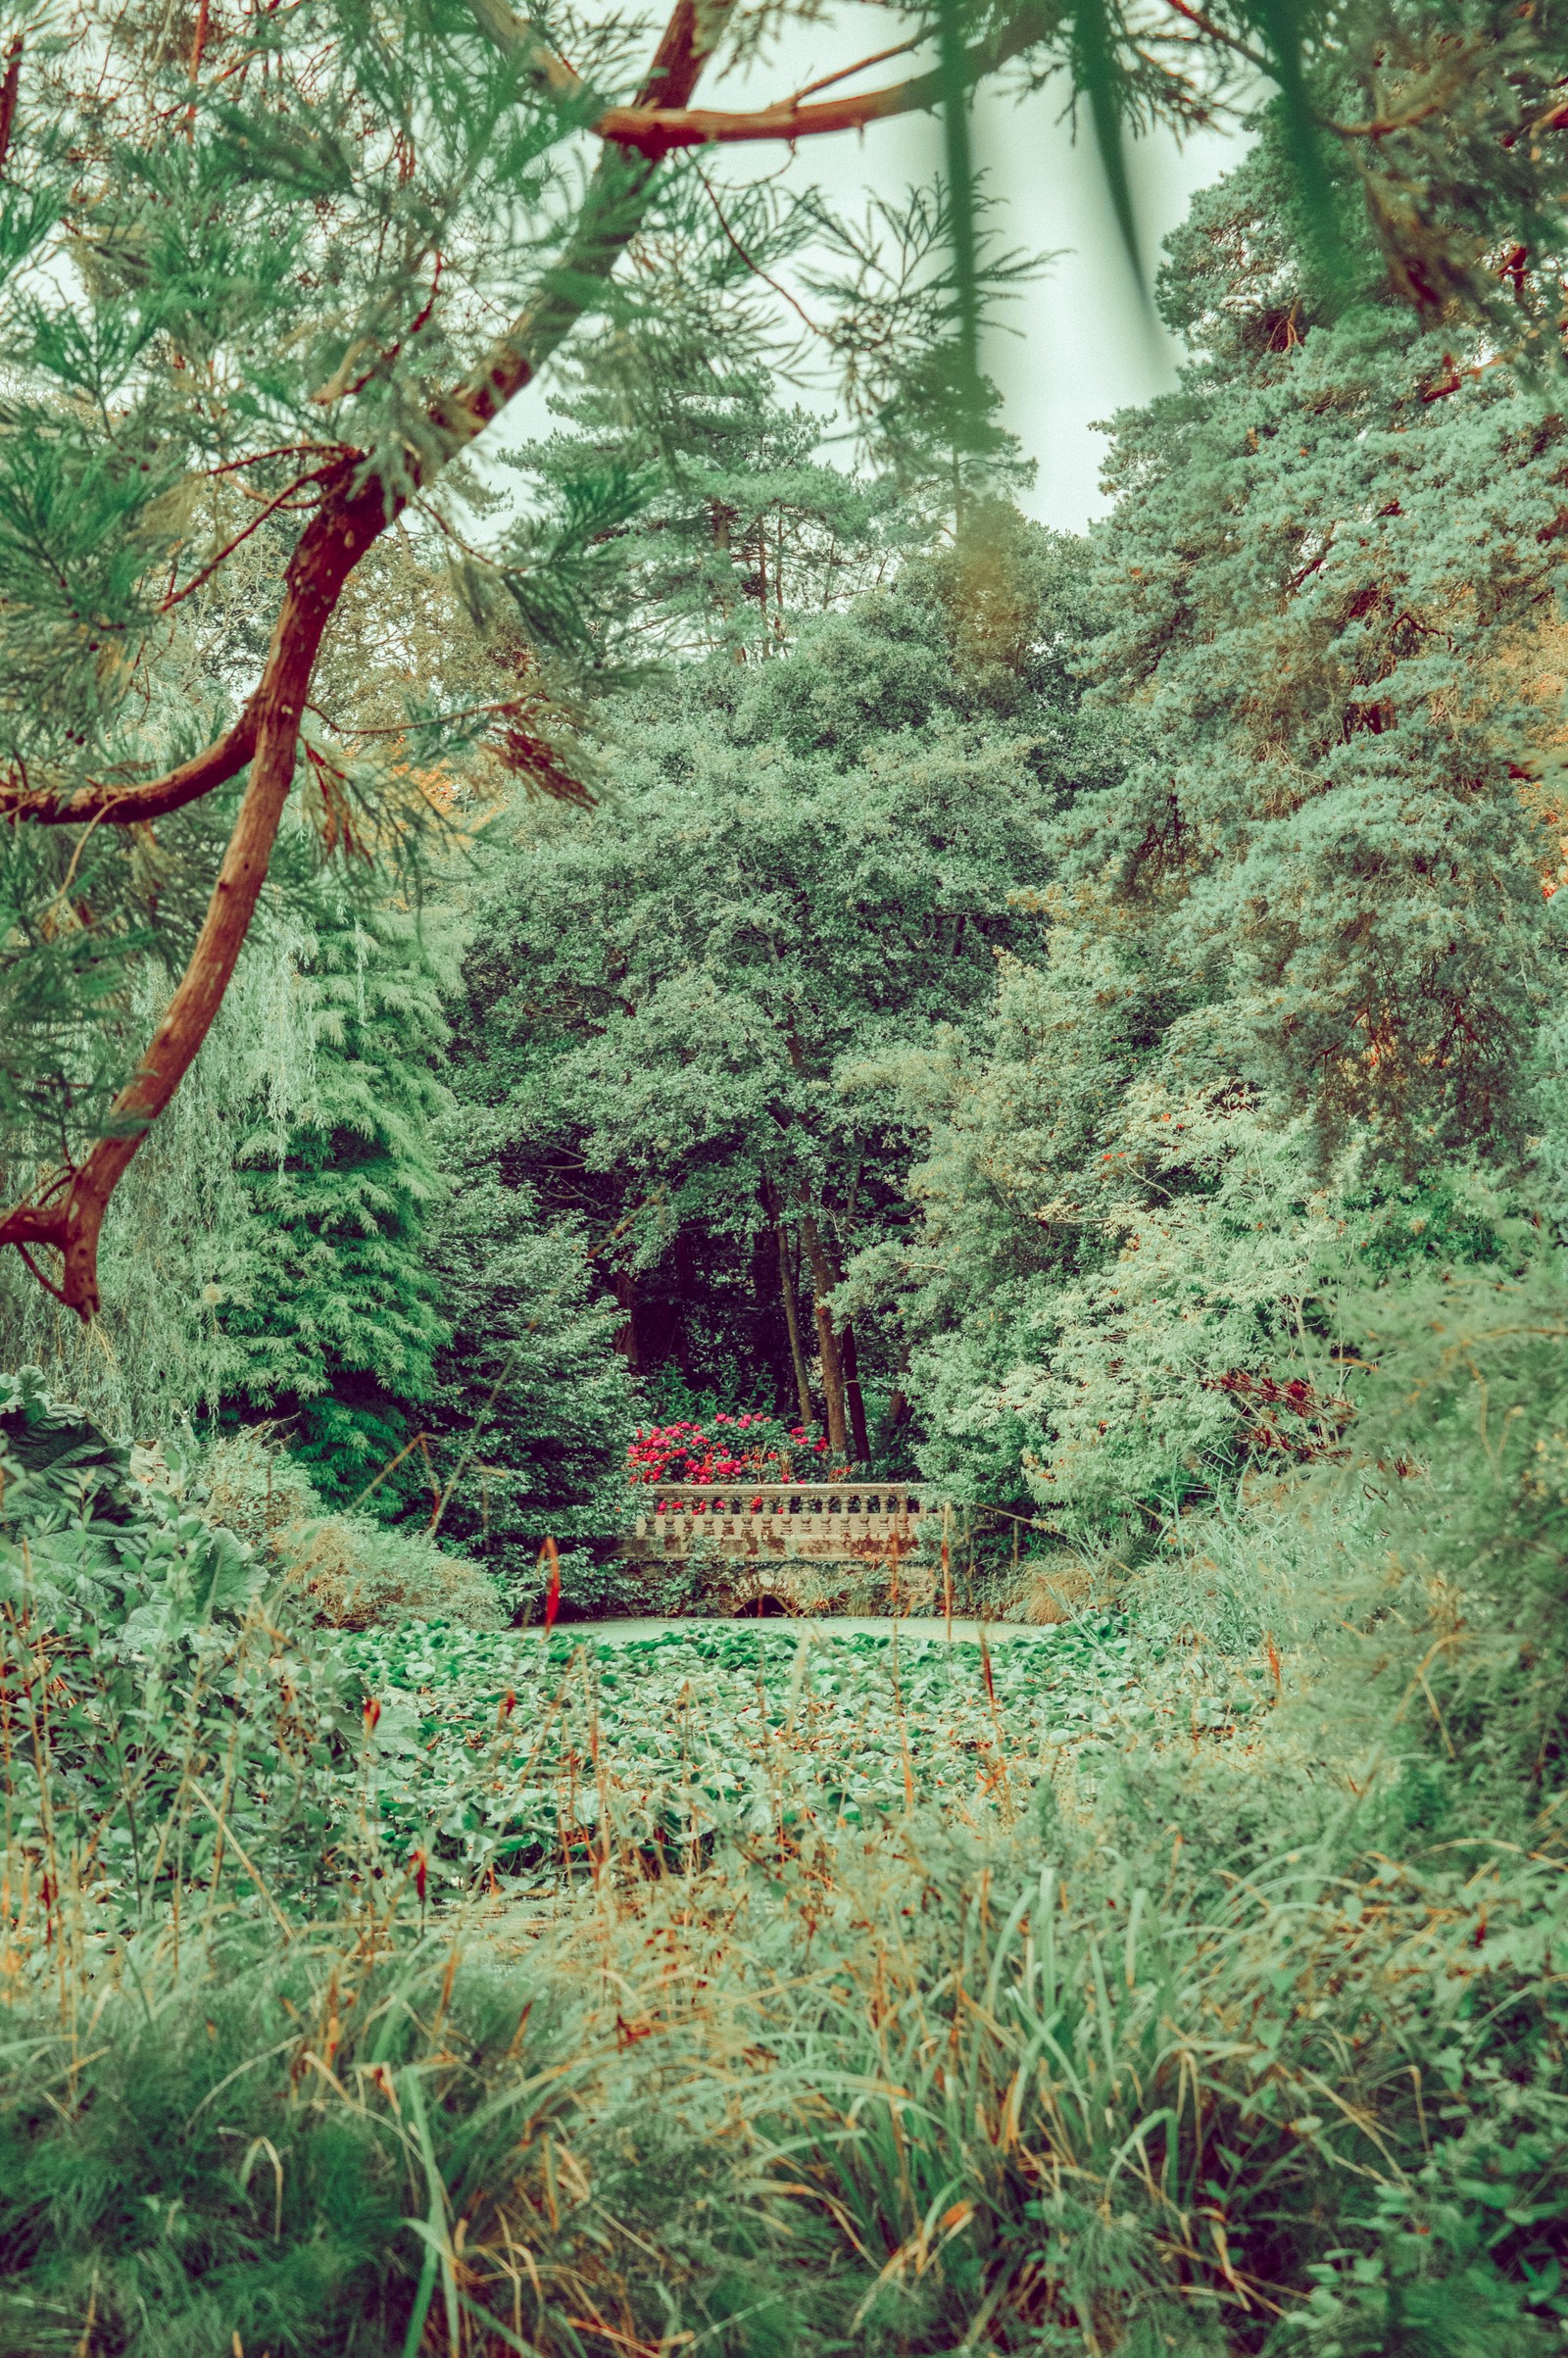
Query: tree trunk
626, 1335
792, 1320
852, 1394
838, 1430
827, 1273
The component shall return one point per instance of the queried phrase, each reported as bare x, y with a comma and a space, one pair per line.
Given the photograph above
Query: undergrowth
1223, 2016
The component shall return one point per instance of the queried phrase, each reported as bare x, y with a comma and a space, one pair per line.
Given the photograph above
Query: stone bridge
766, 1523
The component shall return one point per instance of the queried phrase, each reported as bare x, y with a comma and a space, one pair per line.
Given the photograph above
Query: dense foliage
1290, 1005
767, 964
1283, 1932
807, 863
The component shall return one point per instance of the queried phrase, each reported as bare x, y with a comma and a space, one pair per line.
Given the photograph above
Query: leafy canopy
270, 276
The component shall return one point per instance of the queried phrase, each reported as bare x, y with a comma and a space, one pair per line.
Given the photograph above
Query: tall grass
1217, 2032
896, 2093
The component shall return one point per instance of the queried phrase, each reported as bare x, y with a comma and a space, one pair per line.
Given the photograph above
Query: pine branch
350, 520
655, 130
151, 798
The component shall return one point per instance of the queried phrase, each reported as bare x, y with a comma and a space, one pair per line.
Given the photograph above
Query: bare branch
281, 500
861, 65
753, 265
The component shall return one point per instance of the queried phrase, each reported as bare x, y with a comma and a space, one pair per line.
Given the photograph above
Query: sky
1088, 346
1083, 346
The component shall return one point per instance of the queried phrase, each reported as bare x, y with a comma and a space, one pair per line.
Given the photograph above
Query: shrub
353, 1572
358, 1575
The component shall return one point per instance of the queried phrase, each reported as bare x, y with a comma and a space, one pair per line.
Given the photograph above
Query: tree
1285, 1009
739, 529
533, 1411
329, 1299
804, 868
1329, 566
295, 1280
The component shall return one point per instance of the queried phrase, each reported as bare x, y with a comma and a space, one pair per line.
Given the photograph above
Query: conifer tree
533, 1411
739, 528
1333, 575
332, 1306
254, 276
1285, 1008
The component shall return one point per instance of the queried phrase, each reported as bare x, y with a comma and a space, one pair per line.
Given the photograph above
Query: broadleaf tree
809, 863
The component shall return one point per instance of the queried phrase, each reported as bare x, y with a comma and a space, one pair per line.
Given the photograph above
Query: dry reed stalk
904, 1725
995, 1722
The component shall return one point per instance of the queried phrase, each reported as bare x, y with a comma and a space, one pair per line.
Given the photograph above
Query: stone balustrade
824, 1521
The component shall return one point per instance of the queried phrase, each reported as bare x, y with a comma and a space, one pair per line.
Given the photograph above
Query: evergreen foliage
1088, 1011
330, 1304
345, 1272
345, 210
379, 222
533, 1401
1286, 1002
739, 529
1332, 578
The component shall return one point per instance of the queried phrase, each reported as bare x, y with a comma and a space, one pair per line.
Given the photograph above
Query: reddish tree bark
9, 89
67, 1213
655, 130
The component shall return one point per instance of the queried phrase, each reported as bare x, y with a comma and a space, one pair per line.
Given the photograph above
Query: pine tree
287, 245
305, 227
1330, 566
1284, 1012
739, 529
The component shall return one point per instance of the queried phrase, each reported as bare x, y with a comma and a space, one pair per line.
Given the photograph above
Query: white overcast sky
1084, 346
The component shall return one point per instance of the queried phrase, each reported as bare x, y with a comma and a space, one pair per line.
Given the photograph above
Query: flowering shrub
731, 1450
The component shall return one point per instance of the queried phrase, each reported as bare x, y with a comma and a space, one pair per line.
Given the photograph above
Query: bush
361, 1575
93, 1531
353, 1572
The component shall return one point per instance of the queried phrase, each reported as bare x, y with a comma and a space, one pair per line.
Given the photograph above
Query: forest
591, 908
